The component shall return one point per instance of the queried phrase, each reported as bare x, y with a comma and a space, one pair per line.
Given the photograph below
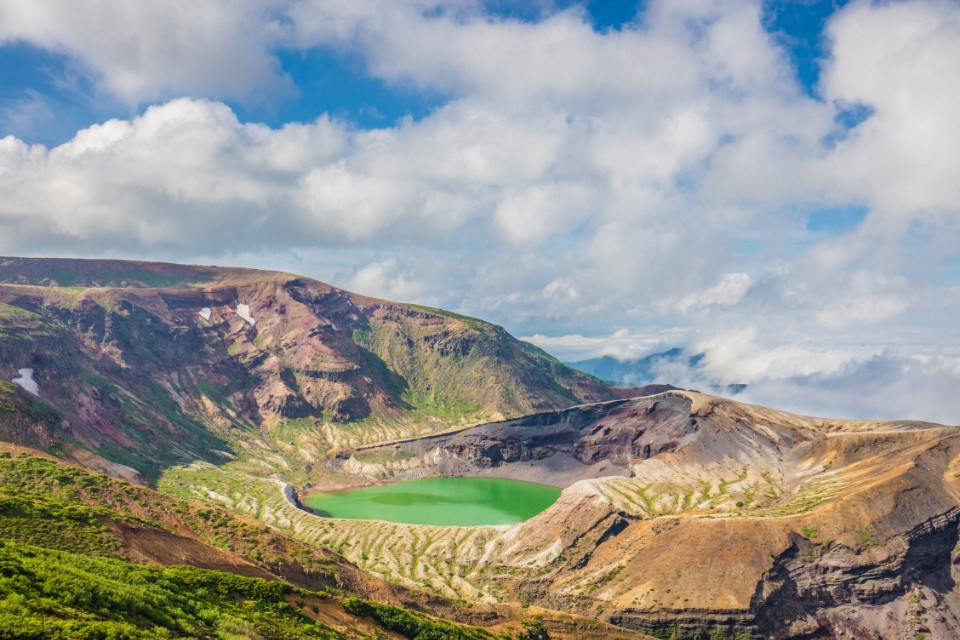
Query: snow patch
243, 310
27, 382
205, 313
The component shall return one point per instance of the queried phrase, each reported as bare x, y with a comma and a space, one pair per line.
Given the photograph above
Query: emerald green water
458, 502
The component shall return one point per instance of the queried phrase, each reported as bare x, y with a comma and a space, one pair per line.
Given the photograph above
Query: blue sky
770, 182
329, 80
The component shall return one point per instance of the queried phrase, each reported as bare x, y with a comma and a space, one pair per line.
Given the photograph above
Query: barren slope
721, 516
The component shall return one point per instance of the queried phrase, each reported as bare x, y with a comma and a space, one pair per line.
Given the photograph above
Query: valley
802, 507
246, 392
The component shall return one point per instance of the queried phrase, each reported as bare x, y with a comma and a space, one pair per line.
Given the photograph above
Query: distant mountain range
651, 369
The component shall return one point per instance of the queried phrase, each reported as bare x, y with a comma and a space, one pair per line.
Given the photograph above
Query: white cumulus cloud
144, 51
573, 183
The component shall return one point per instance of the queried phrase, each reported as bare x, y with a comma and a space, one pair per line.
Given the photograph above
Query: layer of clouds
610, 185
146, 51
623, 344
849, 378
852, 376
885, 386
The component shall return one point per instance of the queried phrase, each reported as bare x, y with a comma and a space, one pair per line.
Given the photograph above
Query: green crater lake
456, 502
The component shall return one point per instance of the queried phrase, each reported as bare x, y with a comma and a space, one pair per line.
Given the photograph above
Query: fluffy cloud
390, 280
575, 182
185, 174
901, 157
727, 292
142, 51
623, 344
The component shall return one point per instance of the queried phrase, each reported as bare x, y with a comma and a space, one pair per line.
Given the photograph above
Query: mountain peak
151, 363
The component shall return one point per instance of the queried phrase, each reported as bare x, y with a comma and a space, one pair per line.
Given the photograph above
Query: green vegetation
462, 372
82, 274
80, 587
63, 297
57, 524
19, 325
531, 348
40, 505
430, 380
412, 625
54, 594
610, 577
61, 507
450, 410
808, 533
7, 389
10, 312
473, 323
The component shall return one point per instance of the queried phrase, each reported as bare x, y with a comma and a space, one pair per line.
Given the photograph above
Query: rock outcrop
555, 447
717, 517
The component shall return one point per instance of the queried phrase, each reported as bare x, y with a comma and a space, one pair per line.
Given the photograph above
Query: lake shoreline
437, 501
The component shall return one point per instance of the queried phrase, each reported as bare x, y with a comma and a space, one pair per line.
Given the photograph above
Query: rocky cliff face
145, 365
713, 516
555, 447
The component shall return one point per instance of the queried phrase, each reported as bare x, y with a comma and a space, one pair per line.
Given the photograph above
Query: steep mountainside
142, 365
711, 517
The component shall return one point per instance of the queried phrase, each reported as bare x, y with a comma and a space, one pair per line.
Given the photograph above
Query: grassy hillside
77, 273
47, 503
48, 594
73, 544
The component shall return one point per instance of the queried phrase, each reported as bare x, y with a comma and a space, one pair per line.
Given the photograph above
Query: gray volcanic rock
693, 514
555, 447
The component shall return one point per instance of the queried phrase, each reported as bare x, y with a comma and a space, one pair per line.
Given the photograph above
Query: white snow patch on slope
27, 382
243, 310
205, 313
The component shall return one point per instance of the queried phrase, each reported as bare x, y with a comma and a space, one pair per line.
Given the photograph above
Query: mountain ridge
652, 370
233, 355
